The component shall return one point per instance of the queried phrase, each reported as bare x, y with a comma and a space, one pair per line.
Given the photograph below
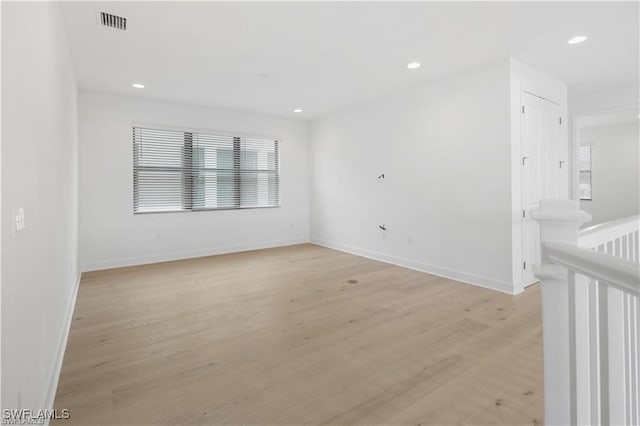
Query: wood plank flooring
298, 335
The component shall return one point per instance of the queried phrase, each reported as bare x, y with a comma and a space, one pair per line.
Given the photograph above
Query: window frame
188, 189
589, 170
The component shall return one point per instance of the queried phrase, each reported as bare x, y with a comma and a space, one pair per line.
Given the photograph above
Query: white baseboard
50, 396
467, 278
186, 254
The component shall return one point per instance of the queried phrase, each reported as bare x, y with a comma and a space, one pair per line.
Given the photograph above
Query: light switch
19, 217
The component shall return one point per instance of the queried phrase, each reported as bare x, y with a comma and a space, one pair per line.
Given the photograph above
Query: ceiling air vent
113, 21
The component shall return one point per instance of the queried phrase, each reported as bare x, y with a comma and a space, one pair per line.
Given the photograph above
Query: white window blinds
584, 168
187, 171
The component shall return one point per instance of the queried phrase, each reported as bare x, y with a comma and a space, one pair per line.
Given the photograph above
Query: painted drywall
111, 235
615, 162
39, 174
604, 100
613, 102
444, 150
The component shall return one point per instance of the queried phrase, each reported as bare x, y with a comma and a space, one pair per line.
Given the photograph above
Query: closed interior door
541, 171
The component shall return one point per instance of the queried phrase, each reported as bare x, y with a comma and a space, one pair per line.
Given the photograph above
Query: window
584, 168
189, 171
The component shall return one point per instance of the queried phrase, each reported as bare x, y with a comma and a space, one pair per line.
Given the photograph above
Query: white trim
560, 211
541, 97
50, 396
609, 270
185, 254
463, 277
602, 233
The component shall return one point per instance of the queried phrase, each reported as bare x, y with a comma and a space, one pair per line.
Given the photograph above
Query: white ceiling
326, 56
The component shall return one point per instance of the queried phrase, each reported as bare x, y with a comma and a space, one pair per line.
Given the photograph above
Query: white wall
615, 162
616, 101
39, 173
111, 235
444, 148
615, 97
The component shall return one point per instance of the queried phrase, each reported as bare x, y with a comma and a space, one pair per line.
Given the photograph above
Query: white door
543, 167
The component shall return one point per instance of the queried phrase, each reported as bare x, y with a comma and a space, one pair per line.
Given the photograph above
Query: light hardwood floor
286, 337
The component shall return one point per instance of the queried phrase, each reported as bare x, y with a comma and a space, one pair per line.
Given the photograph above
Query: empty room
304, 213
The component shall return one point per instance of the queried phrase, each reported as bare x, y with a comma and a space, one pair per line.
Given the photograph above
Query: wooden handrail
614, 271
602, 233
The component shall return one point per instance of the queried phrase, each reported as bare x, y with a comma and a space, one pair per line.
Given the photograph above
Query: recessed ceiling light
577, 39
138, 85
297, 110
413, 65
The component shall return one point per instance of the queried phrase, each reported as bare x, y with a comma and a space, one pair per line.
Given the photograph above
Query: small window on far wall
584, 167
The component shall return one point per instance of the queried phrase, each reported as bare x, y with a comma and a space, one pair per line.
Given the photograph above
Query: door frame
551, 90
526, 269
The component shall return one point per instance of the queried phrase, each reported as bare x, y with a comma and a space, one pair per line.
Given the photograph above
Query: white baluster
594, 353
579, 326
616, 357
635, 347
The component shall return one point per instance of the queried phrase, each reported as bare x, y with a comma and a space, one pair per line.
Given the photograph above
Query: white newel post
559, 222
